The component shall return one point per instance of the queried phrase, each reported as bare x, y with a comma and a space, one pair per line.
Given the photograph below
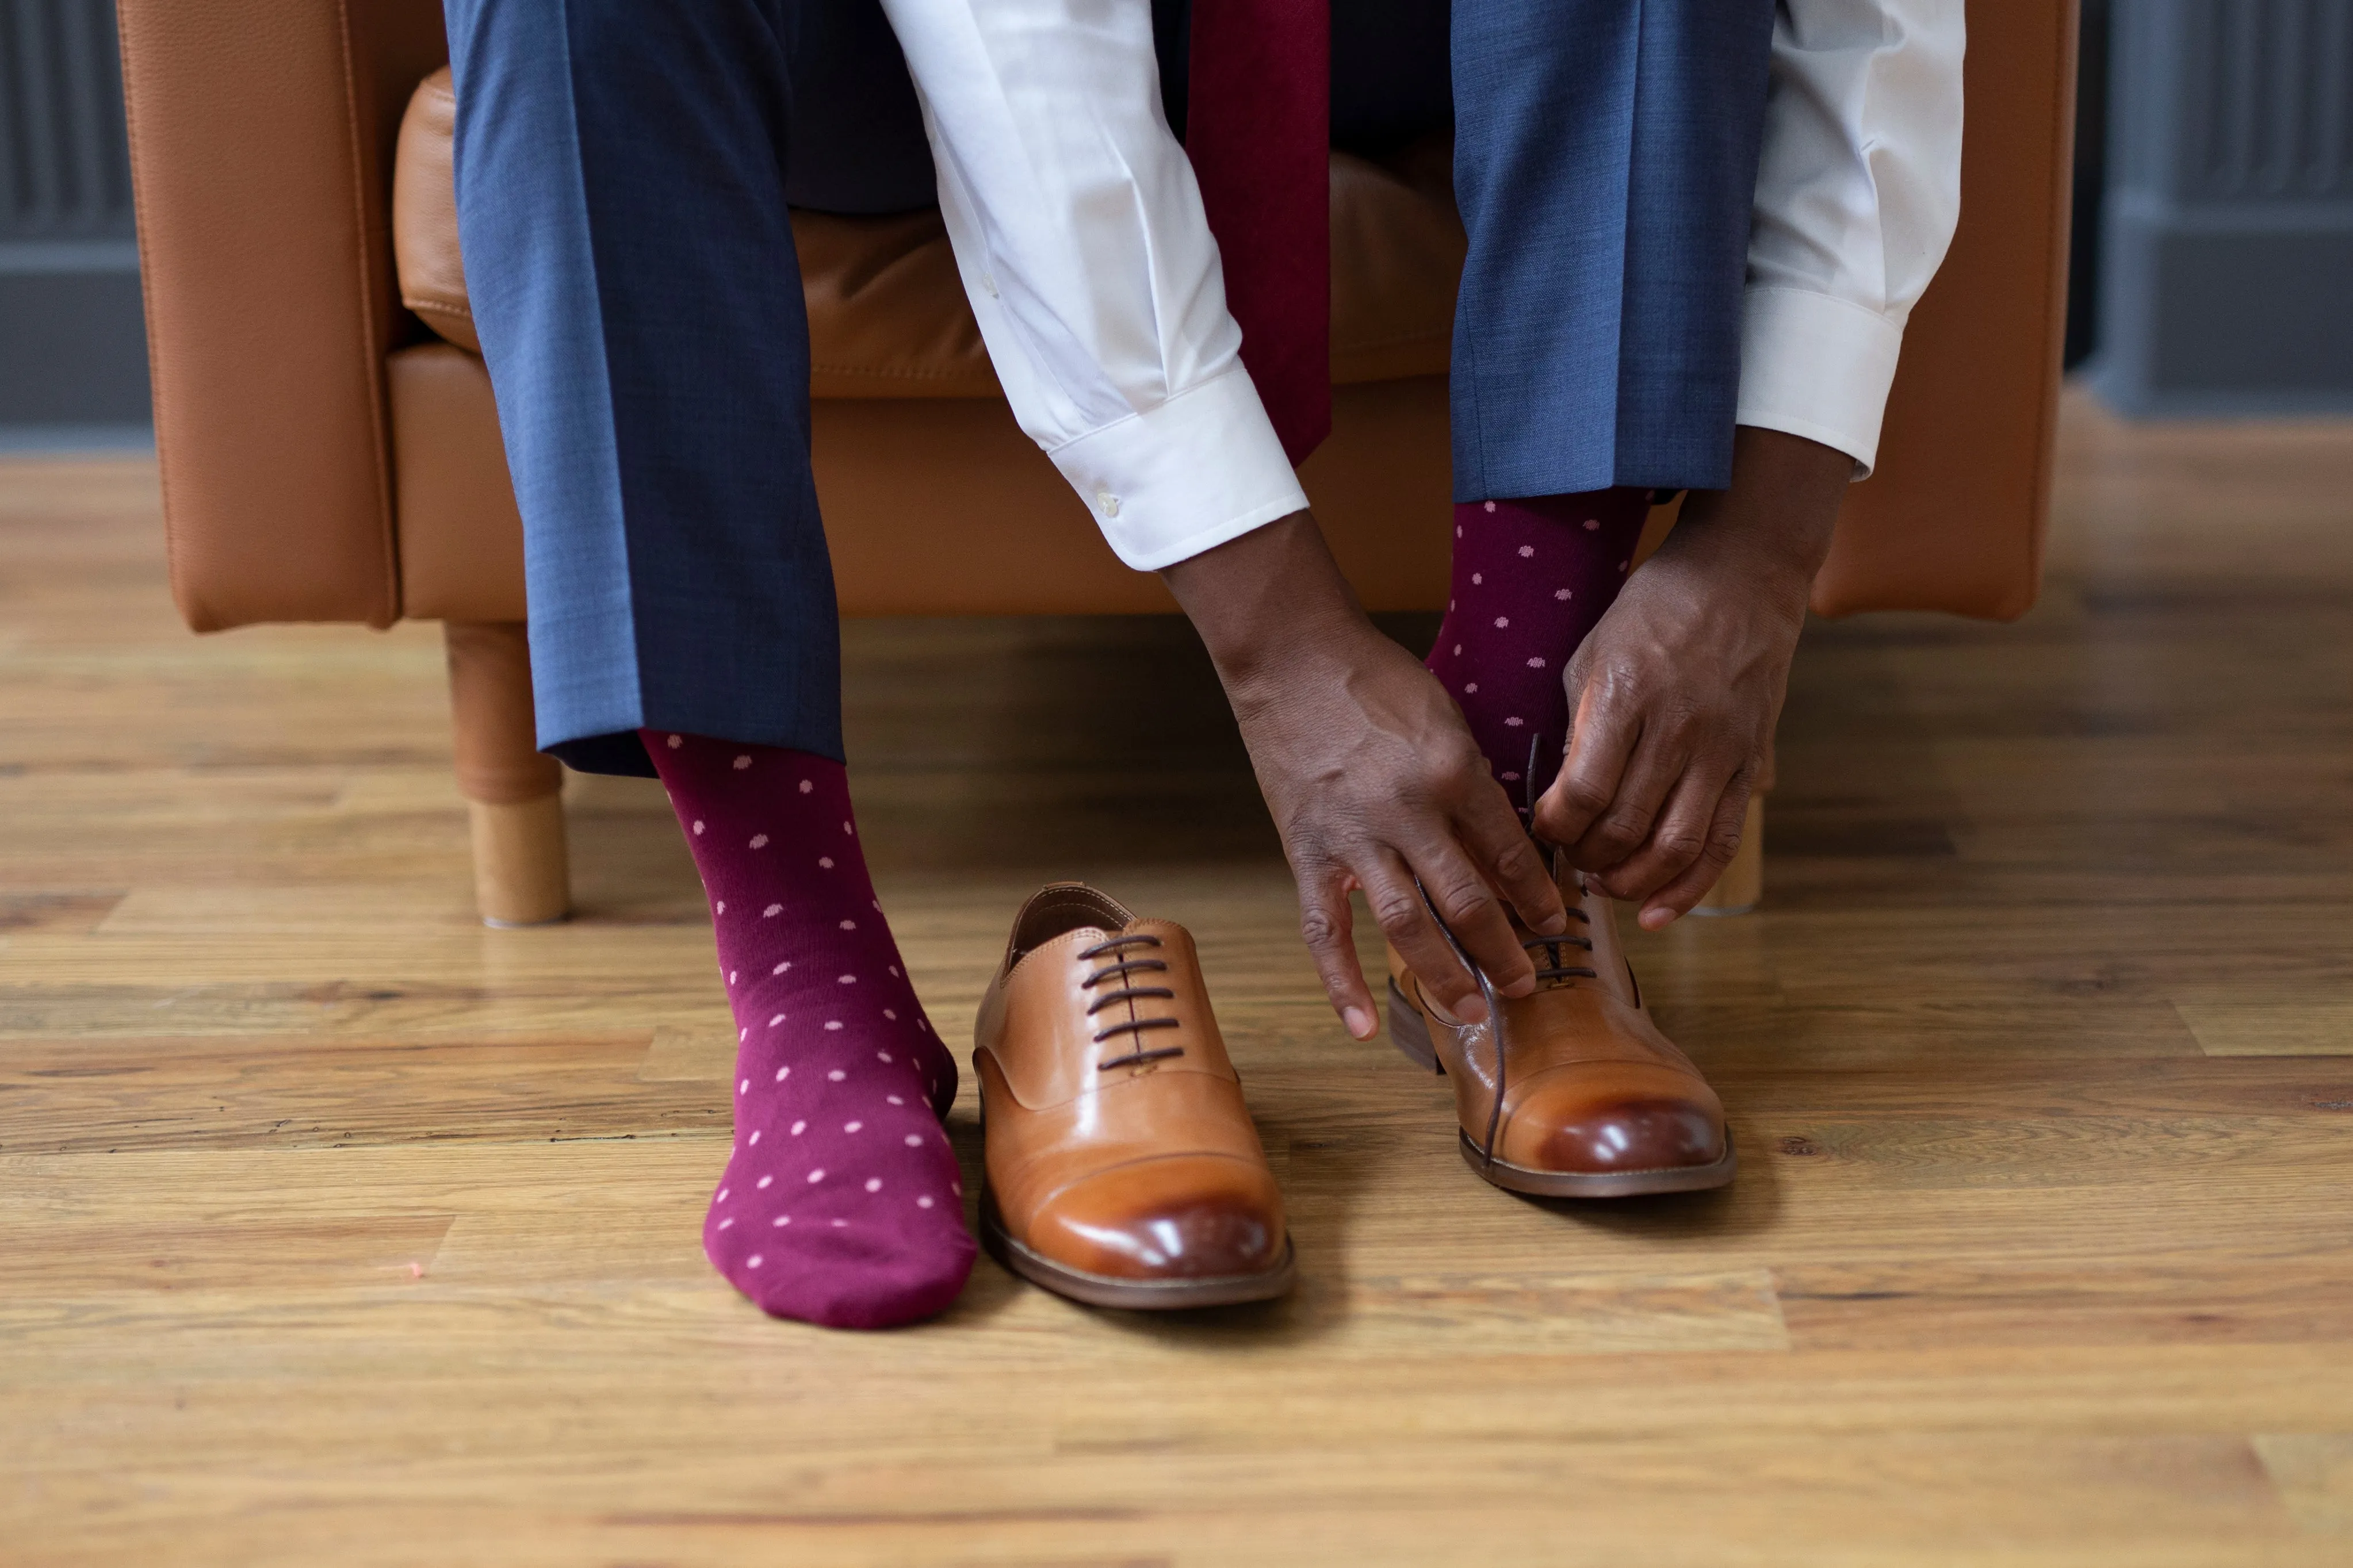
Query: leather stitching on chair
882, 372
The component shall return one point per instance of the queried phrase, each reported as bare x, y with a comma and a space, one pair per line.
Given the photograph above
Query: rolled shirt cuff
1818, 367
1201, 469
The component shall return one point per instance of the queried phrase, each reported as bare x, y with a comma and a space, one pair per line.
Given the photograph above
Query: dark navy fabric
857, 133
1605, 161
623, 178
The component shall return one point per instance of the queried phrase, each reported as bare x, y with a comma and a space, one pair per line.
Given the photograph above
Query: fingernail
1360, 1023
1658, 917
1526, 985
1552, 925
1472, 1009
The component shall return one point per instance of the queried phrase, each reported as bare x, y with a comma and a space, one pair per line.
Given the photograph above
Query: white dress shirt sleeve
1079, 232
1857, 195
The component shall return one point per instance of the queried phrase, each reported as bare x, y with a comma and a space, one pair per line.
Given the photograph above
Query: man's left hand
1674, 696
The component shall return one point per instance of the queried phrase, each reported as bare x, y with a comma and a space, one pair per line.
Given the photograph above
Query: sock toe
852, 1277
844, 1212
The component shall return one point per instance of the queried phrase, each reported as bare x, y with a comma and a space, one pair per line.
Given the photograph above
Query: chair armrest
1954, 516
261, 137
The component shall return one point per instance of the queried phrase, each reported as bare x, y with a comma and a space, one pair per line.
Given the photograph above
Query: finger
1467, 903
1601, 739
1503, 850
1651, 774
1723, 842
1396, 904
1680, 836
1329, 927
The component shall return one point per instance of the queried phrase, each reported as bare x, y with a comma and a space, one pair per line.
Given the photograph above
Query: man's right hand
1370, 772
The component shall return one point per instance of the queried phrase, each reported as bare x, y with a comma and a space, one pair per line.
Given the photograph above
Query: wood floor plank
2321, 1026
2277, 1293
335, 1228
2314, 1472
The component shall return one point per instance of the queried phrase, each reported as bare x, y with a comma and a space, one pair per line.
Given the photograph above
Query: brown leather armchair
330, 449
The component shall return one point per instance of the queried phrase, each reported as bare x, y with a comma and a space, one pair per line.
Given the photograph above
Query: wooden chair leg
513, 792
1743, 883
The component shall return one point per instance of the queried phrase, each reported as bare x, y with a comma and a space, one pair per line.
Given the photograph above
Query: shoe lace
1551, 969
1120, 969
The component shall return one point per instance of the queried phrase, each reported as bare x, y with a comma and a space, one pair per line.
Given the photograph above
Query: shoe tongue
1060, 908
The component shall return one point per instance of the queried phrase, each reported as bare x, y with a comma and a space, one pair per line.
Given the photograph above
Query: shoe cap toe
1565, 1122
1178, 1216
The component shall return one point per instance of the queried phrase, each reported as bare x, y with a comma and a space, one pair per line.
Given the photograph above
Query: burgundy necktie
1258, 130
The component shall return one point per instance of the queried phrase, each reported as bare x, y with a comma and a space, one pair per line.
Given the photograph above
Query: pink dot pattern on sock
1531, 578
842, 1069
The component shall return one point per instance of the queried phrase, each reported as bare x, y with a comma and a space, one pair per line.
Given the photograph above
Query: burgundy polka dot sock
1531, 578
840, 1203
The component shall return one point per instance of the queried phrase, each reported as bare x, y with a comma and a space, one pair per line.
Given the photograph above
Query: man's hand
1674, 696
1371, 774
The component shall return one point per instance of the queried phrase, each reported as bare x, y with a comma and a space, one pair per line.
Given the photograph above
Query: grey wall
73, 351
2226, 250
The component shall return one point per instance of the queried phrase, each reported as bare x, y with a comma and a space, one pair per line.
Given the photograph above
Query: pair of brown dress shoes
1122, 1167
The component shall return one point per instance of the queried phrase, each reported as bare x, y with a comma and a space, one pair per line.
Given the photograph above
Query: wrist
1773, 524
1262, 602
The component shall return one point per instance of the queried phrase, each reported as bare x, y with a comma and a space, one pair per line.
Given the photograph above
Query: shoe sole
1602, 1183
1131, 1295
1411, 1034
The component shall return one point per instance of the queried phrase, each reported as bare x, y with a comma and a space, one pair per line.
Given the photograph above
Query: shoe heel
1409, 1032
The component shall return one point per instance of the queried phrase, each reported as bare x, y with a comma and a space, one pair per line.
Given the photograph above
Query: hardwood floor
336, 1228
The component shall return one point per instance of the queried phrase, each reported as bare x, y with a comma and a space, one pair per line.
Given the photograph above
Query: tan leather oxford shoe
1570, 1092
1122, 1167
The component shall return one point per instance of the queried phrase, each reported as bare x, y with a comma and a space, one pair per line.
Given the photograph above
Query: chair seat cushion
887, 312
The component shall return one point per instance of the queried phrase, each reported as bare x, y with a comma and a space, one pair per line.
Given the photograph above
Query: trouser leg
621, 206
1606, 165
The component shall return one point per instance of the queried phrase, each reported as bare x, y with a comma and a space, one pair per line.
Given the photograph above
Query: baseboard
40, 440
2243, 309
